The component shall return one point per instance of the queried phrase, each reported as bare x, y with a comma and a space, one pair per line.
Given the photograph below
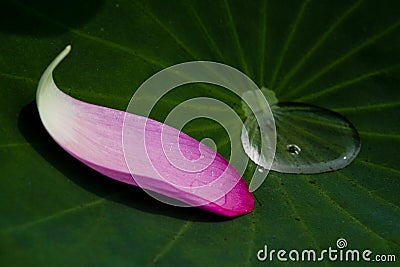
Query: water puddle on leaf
310, 139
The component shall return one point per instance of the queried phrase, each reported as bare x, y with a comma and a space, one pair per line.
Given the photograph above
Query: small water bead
260, 169
293, 149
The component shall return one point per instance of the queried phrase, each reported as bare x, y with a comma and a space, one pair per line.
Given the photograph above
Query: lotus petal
93, 135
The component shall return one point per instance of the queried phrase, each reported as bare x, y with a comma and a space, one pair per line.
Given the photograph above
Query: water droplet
293, 149
318, 140
260, 169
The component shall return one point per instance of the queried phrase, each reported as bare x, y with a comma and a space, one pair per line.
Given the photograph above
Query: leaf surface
342, 56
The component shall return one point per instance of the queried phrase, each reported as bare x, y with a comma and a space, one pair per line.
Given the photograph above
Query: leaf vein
213, 45
344, 84
317, 44
295, 212
343, 58
341, 209
368, 107
263, 38
57, 215
236, 38
172, 34
168, 246
287, 43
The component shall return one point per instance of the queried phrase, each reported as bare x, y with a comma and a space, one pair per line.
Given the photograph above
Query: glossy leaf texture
342, 56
